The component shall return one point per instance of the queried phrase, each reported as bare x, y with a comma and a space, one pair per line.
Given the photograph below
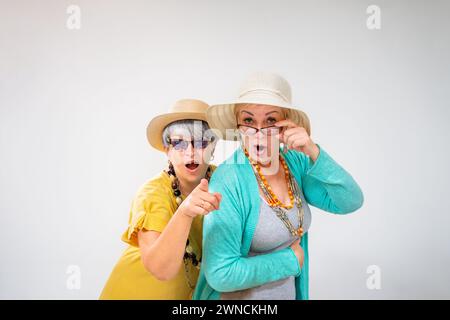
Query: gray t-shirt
271, 235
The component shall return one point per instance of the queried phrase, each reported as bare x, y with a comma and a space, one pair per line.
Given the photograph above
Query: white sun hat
260, 88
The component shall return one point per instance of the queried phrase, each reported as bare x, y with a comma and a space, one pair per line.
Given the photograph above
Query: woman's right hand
200, 201
298, 250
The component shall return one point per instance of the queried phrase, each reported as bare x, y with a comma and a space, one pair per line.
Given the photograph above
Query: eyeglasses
180, 144
250, 131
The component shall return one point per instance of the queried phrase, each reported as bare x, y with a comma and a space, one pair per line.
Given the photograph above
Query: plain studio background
74, 106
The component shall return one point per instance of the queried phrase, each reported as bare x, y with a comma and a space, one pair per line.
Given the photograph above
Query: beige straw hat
260, 88
185, 109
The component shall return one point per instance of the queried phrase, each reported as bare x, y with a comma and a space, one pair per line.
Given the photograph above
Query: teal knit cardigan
228, 232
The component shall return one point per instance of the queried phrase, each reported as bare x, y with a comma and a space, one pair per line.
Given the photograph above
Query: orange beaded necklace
273, 201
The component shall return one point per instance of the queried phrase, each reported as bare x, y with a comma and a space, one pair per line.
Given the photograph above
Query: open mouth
260, 148
192, 165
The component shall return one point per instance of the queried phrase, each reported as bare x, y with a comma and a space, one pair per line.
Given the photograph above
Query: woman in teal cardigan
255, 246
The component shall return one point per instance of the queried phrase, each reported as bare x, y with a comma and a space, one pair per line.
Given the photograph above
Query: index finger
286, 123
210, 198
218, 196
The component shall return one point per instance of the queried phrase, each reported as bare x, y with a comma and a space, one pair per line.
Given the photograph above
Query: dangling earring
284, 147
208, 173
171, 170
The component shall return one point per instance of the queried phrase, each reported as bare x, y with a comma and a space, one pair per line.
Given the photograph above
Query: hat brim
222, 117
156, 126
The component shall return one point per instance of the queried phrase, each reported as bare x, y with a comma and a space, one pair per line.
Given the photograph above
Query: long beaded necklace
189, 254
273, 201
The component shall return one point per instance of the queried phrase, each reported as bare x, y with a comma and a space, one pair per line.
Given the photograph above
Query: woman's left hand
296, 138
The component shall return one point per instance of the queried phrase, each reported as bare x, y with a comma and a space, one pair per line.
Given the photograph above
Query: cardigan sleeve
225, 268
327, 186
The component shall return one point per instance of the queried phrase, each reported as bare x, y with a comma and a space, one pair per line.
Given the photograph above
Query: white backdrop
74, 105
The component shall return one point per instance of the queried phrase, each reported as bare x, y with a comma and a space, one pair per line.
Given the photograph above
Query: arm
162, 252
328, 186
325, 183
226, 270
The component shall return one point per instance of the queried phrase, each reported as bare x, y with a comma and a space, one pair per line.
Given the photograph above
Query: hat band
270, 91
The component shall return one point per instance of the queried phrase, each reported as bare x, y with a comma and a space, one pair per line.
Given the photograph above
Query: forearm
165, 256
330, 187
248, 272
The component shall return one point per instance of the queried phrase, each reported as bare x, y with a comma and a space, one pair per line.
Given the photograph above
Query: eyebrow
178, 137
266, 113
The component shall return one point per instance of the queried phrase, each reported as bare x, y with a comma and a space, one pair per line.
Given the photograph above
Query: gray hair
188, 127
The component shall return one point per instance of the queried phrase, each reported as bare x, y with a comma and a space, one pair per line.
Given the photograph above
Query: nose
193, 154
259, 135
189, 150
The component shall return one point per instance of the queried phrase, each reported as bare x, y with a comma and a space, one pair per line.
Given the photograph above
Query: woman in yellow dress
164, 233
